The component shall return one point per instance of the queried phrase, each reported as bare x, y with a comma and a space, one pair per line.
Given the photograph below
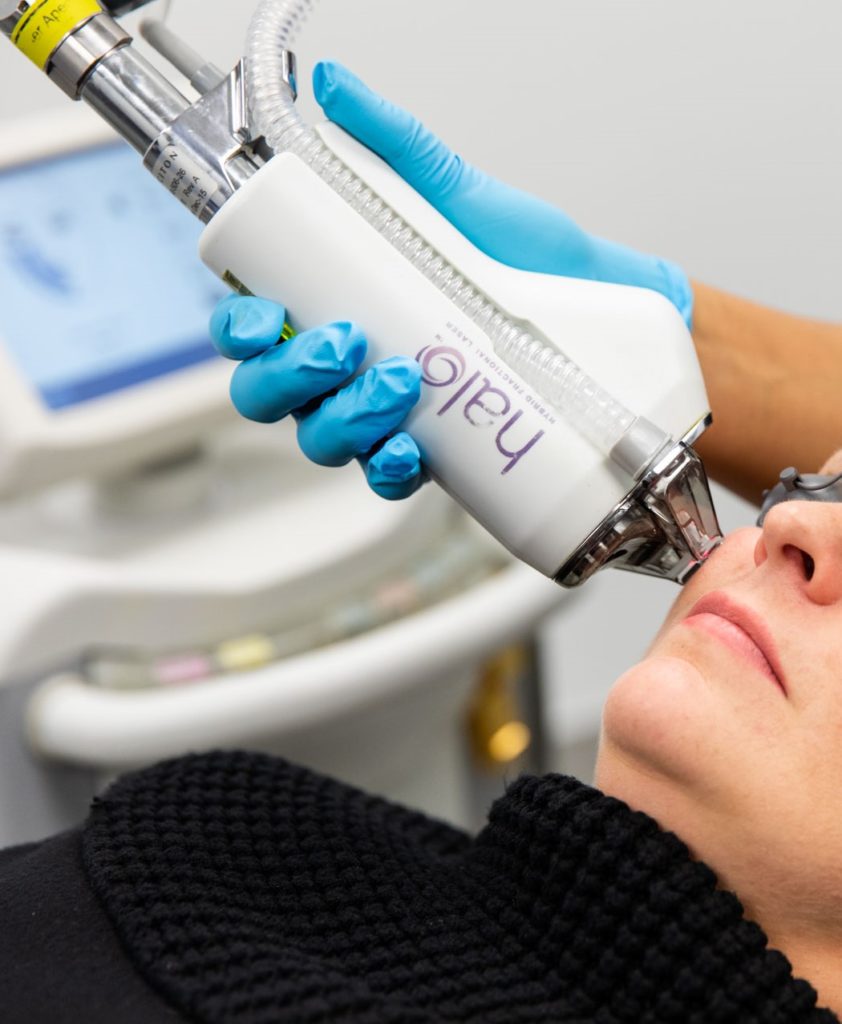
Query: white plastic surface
264, 547
77, 723
39, 447
286, 235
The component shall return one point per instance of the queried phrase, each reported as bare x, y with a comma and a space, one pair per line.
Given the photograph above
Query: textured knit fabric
246, 890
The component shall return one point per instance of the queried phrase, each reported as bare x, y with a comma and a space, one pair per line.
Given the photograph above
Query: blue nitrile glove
512, 226
275, 380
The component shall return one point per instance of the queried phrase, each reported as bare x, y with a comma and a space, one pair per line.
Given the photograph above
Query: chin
658, 744
659, 721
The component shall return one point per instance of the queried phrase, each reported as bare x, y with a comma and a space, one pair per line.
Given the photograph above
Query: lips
741, 629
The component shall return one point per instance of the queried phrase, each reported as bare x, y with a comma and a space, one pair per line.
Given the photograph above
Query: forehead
833, 464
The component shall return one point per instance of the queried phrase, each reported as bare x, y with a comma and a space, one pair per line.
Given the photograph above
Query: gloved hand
513, 227
275, 380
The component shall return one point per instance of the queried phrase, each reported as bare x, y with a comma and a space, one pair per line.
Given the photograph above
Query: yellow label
47, 22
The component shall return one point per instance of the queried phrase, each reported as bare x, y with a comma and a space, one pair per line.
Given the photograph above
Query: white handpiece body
517, 465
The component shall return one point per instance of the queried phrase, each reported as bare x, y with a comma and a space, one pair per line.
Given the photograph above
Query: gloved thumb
509, 225
513, 227
400, 139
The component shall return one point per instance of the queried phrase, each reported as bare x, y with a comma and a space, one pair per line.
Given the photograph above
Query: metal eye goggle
794, 486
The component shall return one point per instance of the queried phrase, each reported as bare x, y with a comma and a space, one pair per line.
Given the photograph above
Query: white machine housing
513, 462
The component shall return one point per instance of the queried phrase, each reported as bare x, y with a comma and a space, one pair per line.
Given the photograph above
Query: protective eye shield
793, 486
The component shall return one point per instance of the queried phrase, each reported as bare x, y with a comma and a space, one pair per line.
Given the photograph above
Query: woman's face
729, 732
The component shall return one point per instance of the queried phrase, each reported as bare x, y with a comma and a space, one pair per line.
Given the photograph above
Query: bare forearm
775, 387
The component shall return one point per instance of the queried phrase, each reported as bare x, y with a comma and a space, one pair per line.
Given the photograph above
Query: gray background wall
707, 132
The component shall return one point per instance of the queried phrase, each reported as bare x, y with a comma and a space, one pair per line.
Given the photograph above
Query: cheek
833, 465
821, 699
662, 716
692, 713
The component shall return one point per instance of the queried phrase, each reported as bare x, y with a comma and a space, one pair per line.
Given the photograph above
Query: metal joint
240, 100
289, 71
213, 134
78, 54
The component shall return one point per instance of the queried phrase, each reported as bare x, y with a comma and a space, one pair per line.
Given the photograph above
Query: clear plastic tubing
589, 408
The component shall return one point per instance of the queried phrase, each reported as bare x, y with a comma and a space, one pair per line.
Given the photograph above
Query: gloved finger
285, 377
416, 154
512, 226
394, 471
242, 326
355, 419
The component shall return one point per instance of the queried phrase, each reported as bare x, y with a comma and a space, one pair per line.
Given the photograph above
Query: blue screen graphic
101, 285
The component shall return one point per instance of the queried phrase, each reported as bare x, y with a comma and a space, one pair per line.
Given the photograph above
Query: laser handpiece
537, 450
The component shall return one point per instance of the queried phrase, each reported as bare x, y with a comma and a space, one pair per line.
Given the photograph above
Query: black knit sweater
244, 889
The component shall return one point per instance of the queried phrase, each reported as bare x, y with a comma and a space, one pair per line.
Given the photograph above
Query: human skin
774, 382
701, 736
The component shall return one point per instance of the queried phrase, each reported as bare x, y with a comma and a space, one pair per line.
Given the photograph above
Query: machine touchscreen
101, 288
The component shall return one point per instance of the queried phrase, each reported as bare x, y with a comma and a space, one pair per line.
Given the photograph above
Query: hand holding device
513, 227
559, 411
308, 377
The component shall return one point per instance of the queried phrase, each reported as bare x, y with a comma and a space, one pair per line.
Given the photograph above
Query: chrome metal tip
666, 527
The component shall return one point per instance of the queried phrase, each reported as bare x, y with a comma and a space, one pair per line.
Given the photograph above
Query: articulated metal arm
201, 151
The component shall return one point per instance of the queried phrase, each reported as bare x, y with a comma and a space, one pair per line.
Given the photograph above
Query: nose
803, 542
